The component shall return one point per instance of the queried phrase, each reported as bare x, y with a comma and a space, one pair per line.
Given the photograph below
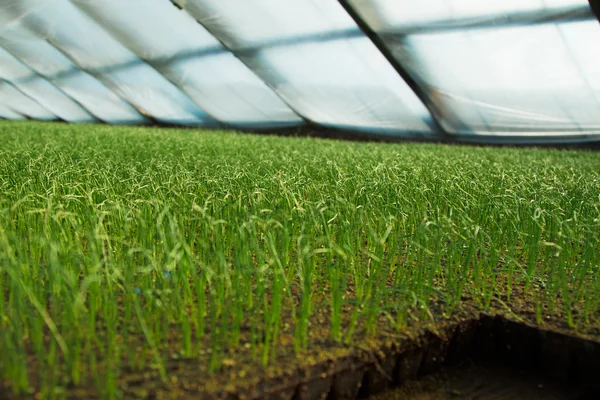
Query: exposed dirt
347, 373
486, 382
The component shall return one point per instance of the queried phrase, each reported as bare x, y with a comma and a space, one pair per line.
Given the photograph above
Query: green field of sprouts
122, 248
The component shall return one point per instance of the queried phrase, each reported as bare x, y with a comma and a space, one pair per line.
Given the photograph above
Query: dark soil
472, 381
348, 373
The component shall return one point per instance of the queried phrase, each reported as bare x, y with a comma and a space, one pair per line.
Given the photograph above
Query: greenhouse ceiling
468, 70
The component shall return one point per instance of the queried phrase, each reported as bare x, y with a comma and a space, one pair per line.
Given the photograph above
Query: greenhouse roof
510, 71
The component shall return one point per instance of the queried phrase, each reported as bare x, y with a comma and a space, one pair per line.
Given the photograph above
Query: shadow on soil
488, 358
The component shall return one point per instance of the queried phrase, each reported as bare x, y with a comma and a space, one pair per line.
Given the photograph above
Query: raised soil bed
426, 364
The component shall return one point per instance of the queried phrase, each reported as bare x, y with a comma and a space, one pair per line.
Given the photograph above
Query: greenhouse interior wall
512, 71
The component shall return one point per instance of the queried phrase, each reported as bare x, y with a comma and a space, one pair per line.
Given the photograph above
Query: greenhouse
299, 199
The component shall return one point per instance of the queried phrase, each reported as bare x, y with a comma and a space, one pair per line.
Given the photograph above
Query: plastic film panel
44, 59
41, 90
241, 24
319, 62
363, 94
91, 48
13, 99
7, 113
391, 15
531, 80
190, 57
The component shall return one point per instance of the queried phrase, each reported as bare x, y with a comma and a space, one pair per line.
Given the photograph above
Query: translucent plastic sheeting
13, 99
41, 90
532, 80
92, 49
190, 57
317, 60
393, 15
47, 61
241, 24
7, 113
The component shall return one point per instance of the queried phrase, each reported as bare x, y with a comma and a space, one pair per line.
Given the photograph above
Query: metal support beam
105, 83
34, 75
7, 82
495, 21
236, 55
595, 6
417, 87
154, 64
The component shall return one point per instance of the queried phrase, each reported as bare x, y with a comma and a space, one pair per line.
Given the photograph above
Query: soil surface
486, 382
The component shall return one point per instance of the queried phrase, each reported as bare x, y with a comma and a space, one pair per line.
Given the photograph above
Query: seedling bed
163, 263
